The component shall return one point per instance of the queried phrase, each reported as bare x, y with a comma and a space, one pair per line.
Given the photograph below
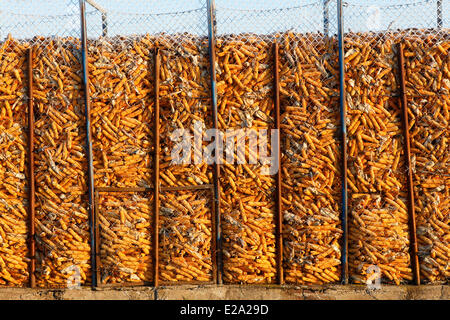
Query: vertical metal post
212, 65
326, 18
156, 172
88, 141
31, 186
104, 25
411, 208
343, 116
97, 235
439, 14
279, 214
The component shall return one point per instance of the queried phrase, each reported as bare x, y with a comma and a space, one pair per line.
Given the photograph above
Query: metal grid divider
31, 186
156, 173
99, 190
279, 201
410, 183
343, 117
87, 102
211, 188
217, 235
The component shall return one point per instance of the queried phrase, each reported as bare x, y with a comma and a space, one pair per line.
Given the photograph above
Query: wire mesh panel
186, 236
427, 87
377, 160
185, 112
245, 98
62, 228
311, 148
14, 255
125, 221
122, 110
124, 39
308, 84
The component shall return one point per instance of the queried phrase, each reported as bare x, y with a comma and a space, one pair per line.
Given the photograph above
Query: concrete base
227, 292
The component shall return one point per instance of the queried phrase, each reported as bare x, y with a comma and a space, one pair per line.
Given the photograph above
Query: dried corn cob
376, 160
184, 100
379, 236
13, 166
244, 87
185, 236
428, 85
121, 84
310, 163
62, 229
125, 222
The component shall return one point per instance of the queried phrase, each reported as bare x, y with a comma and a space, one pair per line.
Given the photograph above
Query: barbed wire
391, 6
269, 10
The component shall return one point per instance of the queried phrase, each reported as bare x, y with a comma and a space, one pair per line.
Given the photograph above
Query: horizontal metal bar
187, 188
123, 189
175, 283
125, 284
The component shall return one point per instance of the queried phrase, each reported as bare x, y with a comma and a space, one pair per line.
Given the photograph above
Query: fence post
411, 208
326, 17
212, 65
31, 186
343, 116
439, 14
87, 112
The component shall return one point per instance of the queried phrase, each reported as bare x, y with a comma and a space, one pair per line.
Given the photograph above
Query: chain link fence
131, 158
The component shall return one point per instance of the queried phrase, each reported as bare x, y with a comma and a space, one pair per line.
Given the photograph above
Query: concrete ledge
227, 292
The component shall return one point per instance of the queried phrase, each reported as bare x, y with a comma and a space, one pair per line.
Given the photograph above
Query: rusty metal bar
97, 236
216, 167
156, 172
124, 284
31, 186
177, 283
188, 188
411, 209
213, 238
278, 209
343, 118
144, 189
88, 139
124, 189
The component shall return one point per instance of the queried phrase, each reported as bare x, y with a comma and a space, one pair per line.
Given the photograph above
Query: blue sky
26, 18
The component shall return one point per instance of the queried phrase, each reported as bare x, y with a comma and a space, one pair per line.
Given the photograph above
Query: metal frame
209, 187
91, 207
97, 236
212, 63
410, 183
279, 200
31, 182
343, 116
216, 246
157, 61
